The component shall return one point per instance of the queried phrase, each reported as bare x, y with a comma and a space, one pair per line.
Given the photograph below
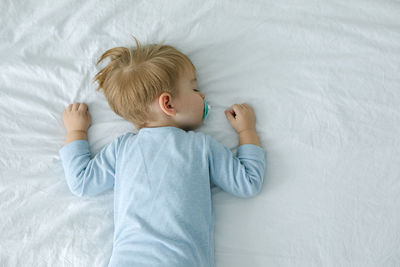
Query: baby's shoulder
124, 137
202, 138
197, 135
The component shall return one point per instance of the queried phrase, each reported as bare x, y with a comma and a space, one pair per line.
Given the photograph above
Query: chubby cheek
196, 106
199, 106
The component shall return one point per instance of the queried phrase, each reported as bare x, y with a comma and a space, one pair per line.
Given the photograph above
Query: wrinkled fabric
322, 77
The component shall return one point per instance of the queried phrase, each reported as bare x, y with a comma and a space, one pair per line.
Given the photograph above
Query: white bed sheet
322, 76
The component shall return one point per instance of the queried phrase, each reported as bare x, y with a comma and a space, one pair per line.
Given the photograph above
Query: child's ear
166, 105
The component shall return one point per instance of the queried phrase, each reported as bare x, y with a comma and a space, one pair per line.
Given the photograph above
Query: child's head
152, 85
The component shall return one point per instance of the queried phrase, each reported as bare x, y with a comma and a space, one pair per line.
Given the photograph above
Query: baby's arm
240, 175
85, 176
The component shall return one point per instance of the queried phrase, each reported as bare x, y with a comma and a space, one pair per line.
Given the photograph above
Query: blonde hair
135, 77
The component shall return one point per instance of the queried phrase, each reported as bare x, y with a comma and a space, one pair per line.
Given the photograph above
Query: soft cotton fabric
163, 213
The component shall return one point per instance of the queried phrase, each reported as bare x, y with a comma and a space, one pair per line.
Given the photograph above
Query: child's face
185, 110
189, 102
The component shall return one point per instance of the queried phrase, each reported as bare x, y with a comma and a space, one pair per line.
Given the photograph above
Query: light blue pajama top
163, 214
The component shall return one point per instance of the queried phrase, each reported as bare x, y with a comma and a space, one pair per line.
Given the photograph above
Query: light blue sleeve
240, 175
85, 176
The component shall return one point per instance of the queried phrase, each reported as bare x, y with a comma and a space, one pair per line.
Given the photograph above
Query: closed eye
196, 90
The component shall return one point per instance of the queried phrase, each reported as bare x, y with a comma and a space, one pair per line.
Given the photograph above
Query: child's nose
202, 95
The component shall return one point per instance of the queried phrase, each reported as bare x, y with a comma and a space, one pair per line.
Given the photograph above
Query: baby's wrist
249, 136
76, 131
75, 135
247, 130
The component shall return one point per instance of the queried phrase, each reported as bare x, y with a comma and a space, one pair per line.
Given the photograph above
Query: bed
322, 77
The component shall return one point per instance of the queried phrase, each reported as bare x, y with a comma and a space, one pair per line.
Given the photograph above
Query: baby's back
162, 206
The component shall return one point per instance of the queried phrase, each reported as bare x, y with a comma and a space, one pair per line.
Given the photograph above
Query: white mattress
323, 78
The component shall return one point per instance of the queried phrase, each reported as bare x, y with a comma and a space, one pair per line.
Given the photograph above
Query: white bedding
323, 78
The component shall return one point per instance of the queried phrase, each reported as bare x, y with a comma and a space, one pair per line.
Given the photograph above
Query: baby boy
162, 175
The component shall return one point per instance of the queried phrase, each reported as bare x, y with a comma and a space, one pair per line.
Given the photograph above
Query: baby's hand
77, 117
241, 117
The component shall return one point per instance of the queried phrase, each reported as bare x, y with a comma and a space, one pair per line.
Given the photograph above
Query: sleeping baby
162, 175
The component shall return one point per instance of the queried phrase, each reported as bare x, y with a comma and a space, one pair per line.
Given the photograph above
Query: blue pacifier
206, 109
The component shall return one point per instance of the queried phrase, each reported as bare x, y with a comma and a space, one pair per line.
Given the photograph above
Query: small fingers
77, 106
83, 107
240, 106
234, 108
